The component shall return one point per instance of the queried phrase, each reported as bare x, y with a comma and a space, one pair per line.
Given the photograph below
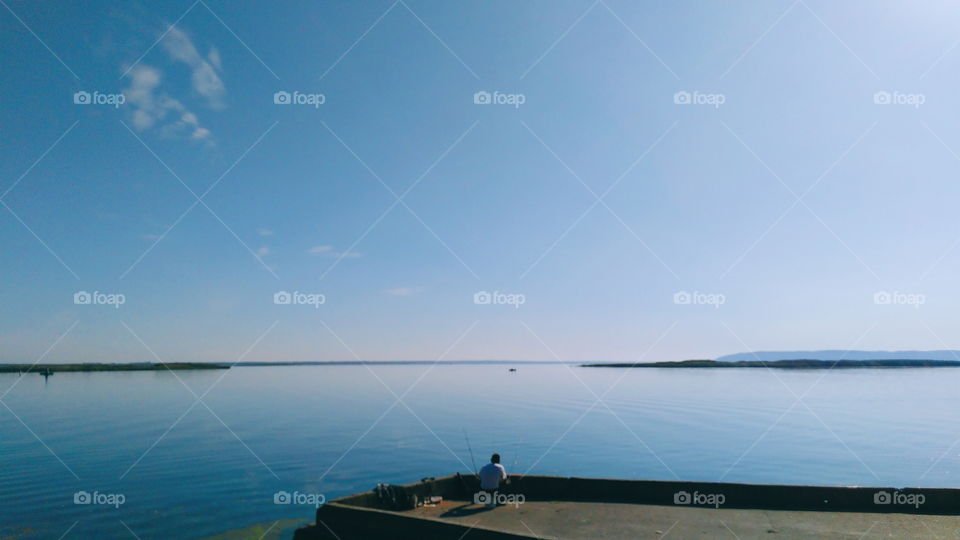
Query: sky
529, 180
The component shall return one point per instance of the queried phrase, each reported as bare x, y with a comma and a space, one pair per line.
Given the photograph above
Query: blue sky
783, 210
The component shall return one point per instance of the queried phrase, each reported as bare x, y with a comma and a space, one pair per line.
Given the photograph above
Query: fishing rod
472, 461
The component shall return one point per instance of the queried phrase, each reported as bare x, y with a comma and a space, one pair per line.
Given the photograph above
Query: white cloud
214, 57
204, 76
264, 250
143, 81
151, 107
330, 252
264, 232
404, 291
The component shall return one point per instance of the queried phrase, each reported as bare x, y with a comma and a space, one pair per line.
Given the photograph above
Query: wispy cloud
264, 250
264, 232
317, 250
330, 252
204, 76
153, 107
404, 291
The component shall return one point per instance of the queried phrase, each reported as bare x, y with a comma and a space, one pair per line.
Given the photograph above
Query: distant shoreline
45, 369
49, 369
407, 363
788, 364
89, 367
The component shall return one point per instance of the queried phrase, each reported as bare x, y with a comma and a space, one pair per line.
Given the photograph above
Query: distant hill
833, 355
789, 364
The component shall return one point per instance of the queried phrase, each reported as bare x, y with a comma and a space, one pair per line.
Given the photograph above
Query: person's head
495, 458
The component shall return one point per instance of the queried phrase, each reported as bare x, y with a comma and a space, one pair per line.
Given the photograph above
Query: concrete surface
614, 521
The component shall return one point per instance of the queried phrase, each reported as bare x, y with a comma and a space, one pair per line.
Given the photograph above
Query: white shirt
491, 474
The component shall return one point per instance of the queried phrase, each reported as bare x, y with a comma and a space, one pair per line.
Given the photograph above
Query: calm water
308, 429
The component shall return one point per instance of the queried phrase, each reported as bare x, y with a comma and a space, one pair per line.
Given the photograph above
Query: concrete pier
557, 507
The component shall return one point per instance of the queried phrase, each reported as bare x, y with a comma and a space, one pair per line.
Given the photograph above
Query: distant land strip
57, 368
149, 366
407, 363
44, 369
788, 364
